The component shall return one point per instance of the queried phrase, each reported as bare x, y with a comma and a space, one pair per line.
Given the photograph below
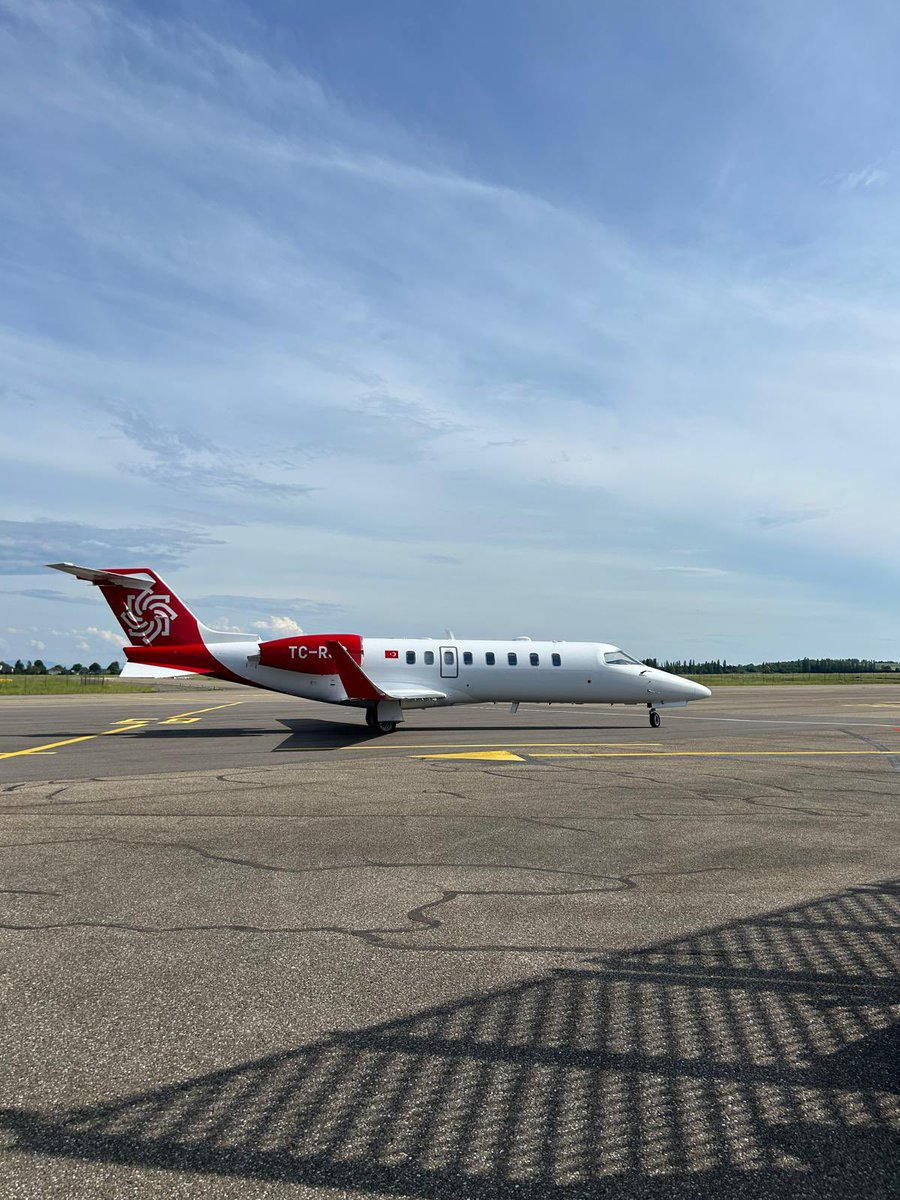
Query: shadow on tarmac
756, 1058
310, 733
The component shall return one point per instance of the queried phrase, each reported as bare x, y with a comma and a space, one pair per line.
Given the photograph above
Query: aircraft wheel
654, 718
386, 726
371, 718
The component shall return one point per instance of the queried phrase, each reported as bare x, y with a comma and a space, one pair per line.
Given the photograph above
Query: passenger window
512, 658
534, 659
556, 660
490, 658
410, 656
429, 658
467, 657
448, 658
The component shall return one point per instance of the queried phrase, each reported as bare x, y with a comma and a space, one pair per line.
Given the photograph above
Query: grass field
70, 685
757, 680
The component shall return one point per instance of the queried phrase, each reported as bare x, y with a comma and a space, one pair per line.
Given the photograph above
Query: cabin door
449, 662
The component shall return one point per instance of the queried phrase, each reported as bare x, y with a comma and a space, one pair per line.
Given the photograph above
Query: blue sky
576, 320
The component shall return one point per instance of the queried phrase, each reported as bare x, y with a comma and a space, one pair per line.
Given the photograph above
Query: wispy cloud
55, 597
296, 605
685, 570
445, 560
194, 463
27, 546
791, 516
865, 178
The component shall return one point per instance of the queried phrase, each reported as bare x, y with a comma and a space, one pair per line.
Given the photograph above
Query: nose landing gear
654, 718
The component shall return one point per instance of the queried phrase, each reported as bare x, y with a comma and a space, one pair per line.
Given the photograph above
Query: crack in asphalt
892, 757
419, 917
26, 892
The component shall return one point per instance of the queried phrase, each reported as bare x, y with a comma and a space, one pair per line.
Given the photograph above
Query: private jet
382, 676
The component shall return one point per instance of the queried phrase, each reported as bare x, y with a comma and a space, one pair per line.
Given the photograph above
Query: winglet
357, 684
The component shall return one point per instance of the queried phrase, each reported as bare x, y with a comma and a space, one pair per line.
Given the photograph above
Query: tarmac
247, 948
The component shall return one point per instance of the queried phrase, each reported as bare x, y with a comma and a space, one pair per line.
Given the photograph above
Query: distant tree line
38, 667
794, 666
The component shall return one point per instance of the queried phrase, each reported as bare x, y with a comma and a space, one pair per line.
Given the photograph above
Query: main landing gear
654, 718
379, 726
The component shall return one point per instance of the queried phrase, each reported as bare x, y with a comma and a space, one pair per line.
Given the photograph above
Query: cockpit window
618, 658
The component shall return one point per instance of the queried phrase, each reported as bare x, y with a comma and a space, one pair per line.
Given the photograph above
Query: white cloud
224, 625
105, 635
282, 626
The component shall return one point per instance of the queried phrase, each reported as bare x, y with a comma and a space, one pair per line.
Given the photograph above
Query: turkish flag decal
392, 654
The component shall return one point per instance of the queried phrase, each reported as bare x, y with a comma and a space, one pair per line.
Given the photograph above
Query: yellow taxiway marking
123, 726
481, 755
48, 746
478, 745
867, 704
195, 711
716, 754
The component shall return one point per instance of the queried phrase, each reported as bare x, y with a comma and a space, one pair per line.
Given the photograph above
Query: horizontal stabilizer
91, 575
145, 671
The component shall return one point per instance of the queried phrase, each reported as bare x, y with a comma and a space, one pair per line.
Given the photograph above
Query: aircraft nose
675, 687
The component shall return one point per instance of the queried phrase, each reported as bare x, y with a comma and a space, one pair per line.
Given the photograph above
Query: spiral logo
149, 616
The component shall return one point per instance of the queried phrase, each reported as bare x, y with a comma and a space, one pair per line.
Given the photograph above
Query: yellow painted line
481, 755
48, 746
720, 754
478, 745
194, 711
123, 726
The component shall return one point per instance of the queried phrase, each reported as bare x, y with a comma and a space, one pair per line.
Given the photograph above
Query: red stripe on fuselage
195, 658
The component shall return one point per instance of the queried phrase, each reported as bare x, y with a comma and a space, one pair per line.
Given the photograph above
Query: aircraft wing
411, 692
359, 686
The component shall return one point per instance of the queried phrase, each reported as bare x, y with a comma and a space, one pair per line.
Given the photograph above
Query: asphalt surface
253, 951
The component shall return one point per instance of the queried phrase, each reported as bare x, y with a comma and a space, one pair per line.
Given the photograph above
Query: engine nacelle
308, 653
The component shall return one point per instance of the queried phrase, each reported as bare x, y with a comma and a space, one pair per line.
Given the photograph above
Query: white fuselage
460, 671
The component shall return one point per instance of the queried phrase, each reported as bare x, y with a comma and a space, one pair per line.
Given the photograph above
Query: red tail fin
147, 609
151, 614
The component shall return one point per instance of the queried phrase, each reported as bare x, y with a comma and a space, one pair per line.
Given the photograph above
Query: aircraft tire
655, 720
385, 726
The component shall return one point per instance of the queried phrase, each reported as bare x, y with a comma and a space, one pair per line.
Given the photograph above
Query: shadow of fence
756, 1058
